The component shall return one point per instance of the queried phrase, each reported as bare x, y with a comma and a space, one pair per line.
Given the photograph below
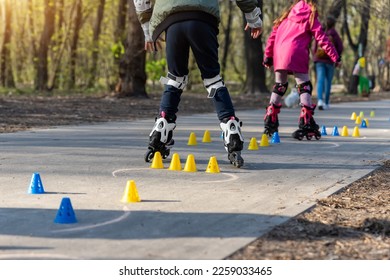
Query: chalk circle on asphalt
199, 177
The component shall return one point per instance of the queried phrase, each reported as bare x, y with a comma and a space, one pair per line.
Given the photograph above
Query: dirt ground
351, 224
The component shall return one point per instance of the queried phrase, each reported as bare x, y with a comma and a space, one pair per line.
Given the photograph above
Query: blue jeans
201, 38
325, 72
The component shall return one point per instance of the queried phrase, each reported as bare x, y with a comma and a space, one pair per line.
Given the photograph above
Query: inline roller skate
271, 121
160, 138
307, 126
233, 140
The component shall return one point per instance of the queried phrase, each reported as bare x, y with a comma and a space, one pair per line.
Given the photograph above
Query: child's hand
255, 32
338, 63
150, 46
268, 62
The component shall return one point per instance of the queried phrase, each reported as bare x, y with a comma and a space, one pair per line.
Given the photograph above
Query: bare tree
227, 32
7, 79
96, 34
44, 43
74, 43
255, 72
119, 33
132, 64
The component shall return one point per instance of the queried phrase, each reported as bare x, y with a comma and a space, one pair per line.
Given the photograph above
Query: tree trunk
119, 39
360, 46
74, 44
44, 43
59, 44
32, 40
96, 34
7, 79
119, 33
227, 38
255, 72
132, 64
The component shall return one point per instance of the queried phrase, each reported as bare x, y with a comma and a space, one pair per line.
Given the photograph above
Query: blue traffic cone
65, 214
36, 186
335, 131
323, 130
275, 138
363, 124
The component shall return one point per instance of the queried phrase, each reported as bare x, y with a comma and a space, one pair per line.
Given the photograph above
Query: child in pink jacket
287, 50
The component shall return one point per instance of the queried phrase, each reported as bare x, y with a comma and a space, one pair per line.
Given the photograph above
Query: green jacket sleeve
144, 10
246, 6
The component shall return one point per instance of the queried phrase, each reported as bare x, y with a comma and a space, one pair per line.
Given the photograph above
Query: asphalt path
182, 215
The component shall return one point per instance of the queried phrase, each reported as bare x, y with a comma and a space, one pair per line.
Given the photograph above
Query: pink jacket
288, 44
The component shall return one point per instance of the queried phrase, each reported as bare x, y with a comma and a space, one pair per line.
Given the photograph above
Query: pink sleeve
323, 41
269, 48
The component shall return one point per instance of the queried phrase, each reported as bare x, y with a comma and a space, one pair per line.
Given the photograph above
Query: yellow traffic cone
253, 144
367, 122
264, 141
353, 116
356, 132
344, 132
361, 115
190, 165
157, 161
372, 114
206, 137
175, 163
358, 120
131, 193
213, 166
192, 140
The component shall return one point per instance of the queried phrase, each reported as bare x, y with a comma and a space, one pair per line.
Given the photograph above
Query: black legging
202, 39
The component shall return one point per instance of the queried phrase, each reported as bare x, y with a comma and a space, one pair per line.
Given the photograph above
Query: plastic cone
335, 131
36, 186
367, 122
206, 137
264, 141
358, 120
213, 167
372, 114
275, 138
361, 115
344, 132
65, 214
131, 193
192, 140
323, 130
175, 163
157, 161
190, 165
364, 124
356, 132
353, 116
253, 144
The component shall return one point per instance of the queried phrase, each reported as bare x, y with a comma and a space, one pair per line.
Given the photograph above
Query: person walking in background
324, 64
287, 50
192, 24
